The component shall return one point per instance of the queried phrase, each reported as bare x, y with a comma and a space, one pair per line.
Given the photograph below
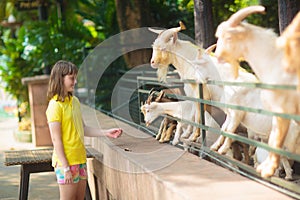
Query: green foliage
102, 13
52, 40
13, 67
39, 44
168, 13
223, 9
107, 83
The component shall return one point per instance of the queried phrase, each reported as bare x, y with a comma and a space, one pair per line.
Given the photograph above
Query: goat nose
221, 60
152, 61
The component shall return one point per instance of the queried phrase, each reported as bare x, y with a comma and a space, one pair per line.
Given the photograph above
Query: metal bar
279, 184
202, 117
123, 104
249, 109
229, 83
276, 183
254, 85
230, 135
139, 100
240, 138
236, 107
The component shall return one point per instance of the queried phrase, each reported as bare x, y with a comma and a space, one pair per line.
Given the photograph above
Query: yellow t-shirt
68, 113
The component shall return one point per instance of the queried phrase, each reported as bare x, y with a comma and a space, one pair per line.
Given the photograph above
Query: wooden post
37, 88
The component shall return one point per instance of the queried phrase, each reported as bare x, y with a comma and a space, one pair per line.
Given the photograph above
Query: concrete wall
136, 166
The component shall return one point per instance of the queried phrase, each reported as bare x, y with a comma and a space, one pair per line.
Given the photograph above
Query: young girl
67, 130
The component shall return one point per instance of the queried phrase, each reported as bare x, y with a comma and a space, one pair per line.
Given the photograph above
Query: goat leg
226, 146
197, 132
246, 153
233, 120
287, 168
169, 132
177, 133
279, 130
217, 143
161, 129
236, 151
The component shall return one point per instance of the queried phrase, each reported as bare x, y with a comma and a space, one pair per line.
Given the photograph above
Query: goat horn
155, 30
237, 17
151, 91
294, 26
149, 99
167, 34
150, 96
161, 94
209, 49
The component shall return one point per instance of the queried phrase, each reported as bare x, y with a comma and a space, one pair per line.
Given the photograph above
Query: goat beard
162, 73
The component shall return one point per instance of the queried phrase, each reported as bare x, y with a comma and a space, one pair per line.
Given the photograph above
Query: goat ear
155, 30
280, 42
175, 37
200, 60
199, 54
209, 49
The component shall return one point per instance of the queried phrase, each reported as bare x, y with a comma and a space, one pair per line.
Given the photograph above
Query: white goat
182, 110
167, 49
289, 42
173, 51
291, 142
258, 125
167, 125
257, 46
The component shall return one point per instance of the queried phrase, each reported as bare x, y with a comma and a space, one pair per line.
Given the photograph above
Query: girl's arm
97, 132
55, 131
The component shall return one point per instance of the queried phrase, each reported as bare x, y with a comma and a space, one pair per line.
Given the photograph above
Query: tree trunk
130, 15
287, 9
2, 10
204, 29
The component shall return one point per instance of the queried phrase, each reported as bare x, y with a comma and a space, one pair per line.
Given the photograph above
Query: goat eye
228, 38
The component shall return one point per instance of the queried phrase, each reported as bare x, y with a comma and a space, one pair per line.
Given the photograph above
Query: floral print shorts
79, 172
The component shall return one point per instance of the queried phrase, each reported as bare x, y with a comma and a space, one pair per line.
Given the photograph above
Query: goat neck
175, 109
265, 58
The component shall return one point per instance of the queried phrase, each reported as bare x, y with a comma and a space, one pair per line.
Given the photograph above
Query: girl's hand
68, 177
114, 132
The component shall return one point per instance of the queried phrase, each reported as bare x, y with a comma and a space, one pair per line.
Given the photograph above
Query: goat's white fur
182, 110
258, 125
181, 53
167, 50
289, 42
257, 46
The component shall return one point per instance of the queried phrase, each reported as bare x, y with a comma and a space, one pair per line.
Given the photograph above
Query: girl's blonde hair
56, 82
